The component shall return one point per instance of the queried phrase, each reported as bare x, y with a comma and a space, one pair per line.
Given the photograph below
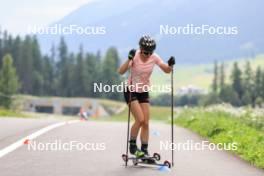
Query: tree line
25, 70
246, 85
59, 73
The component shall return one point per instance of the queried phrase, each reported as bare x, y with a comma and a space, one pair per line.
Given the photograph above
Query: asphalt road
105, 142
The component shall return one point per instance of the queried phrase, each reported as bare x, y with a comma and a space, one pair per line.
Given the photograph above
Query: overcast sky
16, 15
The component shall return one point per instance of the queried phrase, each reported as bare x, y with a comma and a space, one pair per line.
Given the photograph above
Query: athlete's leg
145, 127
139, 119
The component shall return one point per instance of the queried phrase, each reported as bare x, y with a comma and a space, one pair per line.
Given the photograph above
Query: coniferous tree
38, 72
248, 78
258, 83
48, 76
1, 48
262, 85
63, 69
222, 76
27, 67
215, 79
8, 81
93, 71
80, 76
236, 80
6, 43
16, 53
109, 73
229, 95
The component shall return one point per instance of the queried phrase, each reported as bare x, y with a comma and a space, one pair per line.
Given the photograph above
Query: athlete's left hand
171, 61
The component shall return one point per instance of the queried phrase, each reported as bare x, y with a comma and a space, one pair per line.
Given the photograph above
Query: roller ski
147, 160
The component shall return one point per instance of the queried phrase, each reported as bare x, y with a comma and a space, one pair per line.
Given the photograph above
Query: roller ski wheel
167, 163
125, 157
156, 156
135, 162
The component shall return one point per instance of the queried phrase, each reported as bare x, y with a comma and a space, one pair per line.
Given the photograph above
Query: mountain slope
125, 21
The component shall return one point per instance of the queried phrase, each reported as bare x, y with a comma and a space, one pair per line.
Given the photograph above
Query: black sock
144, 147
132, 145
133, 141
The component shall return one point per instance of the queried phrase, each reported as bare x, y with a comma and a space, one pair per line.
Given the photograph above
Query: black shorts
140, 97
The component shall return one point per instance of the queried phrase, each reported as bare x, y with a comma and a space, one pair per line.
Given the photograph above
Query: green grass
10, 113
110, 103
221, 127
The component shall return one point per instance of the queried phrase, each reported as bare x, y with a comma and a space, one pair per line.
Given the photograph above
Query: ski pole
128, 127
172, 131
129, 109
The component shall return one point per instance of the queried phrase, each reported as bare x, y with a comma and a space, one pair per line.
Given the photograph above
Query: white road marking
32, 136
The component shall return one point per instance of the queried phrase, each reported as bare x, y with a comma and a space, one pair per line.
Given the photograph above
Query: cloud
247, 46
31, 12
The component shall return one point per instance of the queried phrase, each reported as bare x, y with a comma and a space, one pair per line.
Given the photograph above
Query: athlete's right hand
131, 54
